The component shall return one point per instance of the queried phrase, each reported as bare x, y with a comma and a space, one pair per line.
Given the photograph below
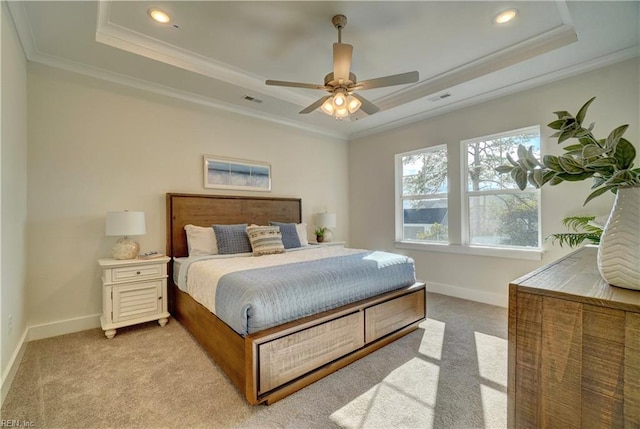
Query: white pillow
301, 229
201, 240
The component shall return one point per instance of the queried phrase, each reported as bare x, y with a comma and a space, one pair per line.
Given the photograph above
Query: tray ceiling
220, 53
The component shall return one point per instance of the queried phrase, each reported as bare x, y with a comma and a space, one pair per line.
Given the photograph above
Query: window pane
483, 156
425, 220
425, 173
504, 220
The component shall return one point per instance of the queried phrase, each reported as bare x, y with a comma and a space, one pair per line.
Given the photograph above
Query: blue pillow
289, 233
232, 239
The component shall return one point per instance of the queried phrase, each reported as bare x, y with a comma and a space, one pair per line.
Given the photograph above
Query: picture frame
236, 174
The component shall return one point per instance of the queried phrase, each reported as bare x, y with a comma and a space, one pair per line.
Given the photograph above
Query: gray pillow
232, 239
289, 233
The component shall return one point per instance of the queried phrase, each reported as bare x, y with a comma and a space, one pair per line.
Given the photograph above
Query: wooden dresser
574, 348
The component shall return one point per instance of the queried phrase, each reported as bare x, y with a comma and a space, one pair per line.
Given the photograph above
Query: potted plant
583, 228
320, 234
609, 162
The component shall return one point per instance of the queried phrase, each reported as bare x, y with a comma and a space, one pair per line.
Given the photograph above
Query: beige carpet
451, 373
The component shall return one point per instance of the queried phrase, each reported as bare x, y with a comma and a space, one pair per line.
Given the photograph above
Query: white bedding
199, 276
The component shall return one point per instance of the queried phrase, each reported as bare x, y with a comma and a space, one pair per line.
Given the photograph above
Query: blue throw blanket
252, 300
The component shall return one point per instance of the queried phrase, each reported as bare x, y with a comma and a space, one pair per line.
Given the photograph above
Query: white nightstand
133, 291
329, 243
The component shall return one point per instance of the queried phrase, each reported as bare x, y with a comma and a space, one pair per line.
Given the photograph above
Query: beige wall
13, 201
486, 278
96, 146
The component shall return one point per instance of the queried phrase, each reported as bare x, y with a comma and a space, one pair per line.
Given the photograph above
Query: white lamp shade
326, 220
125, 223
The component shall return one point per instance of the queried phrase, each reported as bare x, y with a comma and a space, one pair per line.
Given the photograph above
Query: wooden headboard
206, 210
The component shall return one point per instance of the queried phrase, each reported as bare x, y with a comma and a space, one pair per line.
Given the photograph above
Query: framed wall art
238, 174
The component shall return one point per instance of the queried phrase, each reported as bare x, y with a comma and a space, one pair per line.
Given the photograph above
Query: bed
268, 364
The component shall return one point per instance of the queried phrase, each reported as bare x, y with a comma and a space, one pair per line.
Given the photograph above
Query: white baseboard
12, 368
38, 332
491, 298
62, 327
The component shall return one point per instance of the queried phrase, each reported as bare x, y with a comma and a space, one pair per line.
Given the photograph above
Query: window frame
458, 243
465, 194
400, 197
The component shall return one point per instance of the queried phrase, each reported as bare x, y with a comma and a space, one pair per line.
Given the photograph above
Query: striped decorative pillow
265, 240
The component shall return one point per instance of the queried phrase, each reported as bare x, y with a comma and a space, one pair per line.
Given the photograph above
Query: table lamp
326, 221
124, 224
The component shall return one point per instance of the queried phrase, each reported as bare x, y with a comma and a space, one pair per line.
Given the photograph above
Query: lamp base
327, 235
125, 249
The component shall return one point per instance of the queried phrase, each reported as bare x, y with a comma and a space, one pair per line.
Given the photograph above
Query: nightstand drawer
124, 274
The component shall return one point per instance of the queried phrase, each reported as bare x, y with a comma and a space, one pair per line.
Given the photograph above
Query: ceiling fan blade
296, 84
367, 107
396, 79
342, 54
315, 105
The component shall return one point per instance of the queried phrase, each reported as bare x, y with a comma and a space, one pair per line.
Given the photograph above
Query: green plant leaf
556, 180
615, 136
625, 153
573, 147
552, 163
512, 161
536, 177
597, 193
531, 157
563, 114
583, 110
602, 162
575, 177
520, 177
570, 165
592, 151
565, 135
556, 125
573, 239
548, 176
502, 169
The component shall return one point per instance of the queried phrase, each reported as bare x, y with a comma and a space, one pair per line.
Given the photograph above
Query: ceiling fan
342, 84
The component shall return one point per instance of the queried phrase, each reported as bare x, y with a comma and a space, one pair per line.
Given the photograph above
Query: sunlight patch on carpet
405, 398
433, 339
492, 366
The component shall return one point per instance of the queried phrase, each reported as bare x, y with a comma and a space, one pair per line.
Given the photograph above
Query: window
495, 212
491, 215
421, 184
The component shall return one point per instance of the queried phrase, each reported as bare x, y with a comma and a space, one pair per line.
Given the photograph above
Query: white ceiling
216, 53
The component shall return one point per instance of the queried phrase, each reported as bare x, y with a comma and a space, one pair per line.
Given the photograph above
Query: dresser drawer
135, 272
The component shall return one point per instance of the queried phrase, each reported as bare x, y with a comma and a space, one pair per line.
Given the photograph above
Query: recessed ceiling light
159, 16
506, 16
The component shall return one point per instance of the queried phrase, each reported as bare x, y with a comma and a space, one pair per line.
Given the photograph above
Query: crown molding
514, 54
167, 91
122, 38
584, 67
25, 34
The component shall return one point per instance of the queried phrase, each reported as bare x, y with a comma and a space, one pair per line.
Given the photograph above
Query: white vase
619, 250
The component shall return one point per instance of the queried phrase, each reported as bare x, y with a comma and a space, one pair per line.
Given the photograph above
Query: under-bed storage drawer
389, 316
287, 358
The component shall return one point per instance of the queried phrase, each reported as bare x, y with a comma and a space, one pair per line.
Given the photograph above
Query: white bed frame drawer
389, 316
287, 358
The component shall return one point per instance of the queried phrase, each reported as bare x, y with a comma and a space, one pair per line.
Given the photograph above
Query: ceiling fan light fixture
506, 16
341, 113
339, 99
159, 16
353, 104
327, 106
